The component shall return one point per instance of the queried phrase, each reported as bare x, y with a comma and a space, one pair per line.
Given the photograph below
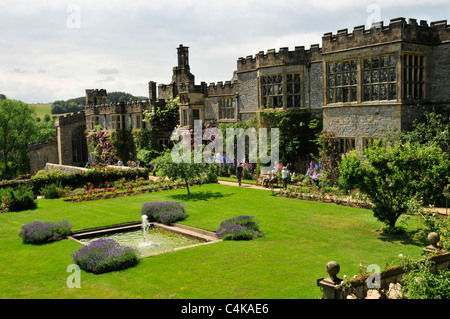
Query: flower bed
328, 195
119, 188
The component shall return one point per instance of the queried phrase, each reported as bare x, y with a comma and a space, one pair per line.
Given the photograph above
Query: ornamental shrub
17, 200
51, 191
421, 283
105, 255
239, 228
164, 212
171, 216
44, 232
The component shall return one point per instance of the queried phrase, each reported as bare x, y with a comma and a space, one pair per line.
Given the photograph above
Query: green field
300, 238
42, 109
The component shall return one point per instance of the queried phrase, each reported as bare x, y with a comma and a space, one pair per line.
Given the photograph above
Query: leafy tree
298, 131
173, 170
391, 175
161, 119
116, 97
164, 119
45, 130
69, 106
145, 148
3, 97
434, 128
17, 128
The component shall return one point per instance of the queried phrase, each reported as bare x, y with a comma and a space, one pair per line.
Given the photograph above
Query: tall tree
17, 128
186, 171
392, 176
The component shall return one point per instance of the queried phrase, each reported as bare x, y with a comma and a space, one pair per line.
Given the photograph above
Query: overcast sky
55, 49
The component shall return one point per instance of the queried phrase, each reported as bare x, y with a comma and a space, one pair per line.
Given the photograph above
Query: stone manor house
360, 83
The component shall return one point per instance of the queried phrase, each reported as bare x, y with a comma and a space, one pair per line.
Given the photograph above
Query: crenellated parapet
137, 106
69, 119
283, 57
398, 30
221, 88
41, 144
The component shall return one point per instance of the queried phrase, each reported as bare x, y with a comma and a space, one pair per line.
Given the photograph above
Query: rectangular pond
158, 238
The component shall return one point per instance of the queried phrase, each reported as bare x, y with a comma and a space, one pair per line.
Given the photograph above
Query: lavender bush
105, 255
44, 232
239, 228
171, 216
164, 212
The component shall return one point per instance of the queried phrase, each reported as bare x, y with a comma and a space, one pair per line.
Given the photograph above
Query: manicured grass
300, 238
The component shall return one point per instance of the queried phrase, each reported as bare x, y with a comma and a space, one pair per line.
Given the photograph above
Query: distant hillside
78, 104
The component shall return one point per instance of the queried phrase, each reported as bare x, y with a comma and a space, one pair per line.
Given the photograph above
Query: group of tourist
268, 179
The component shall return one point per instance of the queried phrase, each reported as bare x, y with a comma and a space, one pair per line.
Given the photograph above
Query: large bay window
281, 91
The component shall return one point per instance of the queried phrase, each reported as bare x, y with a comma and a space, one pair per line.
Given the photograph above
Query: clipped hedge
96, 176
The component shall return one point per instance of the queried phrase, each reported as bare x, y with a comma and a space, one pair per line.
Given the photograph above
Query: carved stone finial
333, 269
433, 238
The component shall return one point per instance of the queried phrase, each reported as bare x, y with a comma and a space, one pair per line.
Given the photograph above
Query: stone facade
42, 153
362, 83
69, 147
417, 60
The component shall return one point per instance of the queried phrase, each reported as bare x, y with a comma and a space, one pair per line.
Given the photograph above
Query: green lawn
300, 238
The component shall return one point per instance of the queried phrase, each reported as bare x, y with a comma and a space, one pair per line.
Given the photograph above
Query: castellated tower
95, 97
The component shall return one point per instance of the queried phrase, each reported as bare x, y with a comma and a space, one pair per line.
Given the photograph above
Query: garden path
242, 185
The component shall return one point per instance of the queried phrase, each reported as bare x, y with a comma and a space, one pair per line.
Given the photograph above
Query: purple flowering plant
164, 212
105, 255
39, 232
239, 228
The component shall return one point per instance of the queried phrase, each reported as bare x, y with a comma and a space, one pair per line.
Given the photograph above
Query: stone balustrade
385, 281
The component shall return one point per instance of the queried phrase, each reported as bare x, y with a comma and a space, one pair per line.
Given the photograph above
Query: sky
56, 49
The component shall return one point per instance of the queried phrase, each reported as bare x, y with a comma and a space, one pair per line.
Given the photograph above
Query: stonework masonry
361, 83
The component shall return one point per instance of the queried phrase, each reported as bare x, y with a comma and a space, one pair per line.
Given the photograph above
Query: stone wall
314, 86
362, 121
42, 153
439, 73
65, 168
248, 94
65, 127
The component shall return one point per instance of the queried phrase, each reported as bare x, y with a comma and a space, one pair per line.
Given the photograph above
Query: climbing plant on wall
329, 157
298, 131
102, 147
